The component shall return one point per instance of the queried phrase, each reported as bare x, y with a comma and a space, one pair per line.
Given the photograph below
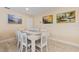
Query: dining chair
19, 40
44, 38
23, 42
41, 43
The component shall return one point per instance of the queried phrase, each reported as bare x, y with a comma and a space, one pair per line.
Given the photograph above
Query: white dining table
33, 36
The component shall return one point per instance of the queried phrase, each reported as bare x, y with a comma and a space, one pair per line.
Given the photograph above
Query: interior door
29, 23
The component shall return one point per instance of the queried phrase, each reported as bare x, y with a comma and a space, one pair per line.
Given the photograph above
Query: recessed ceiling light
27, 9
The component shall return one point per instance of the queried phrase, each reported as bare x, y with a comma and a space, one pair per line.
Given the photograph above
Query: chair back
24, 38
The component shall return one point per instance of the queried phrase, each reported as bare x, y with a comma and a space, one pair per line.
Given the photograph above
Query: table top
33, 35
32, 32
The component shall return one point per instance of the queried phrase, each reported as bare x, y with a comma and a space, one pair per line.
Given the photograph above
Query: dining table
33, 35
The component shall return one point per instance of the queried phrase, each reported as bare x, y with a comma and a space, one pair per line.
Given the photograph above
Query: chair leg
17, 46
21, 48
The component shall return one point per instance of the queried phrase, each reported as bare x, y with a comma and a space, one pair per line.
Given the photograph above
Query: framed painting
67, 17
12, 19
48, 19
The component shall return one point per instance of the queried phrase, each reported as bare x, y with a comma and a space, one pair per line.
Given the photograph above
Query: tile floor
10, 46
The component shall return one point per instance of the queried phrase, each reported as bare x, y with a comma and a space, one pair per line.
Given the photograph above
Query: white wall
9, 29
63, 31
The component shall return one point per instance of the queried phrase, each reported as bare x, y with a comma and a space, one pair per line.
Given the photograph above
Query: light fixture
27, 9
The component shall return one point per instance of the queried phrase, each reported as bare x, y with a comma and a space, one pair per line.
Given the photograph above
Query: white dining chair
23, 42
44, 38
18, 40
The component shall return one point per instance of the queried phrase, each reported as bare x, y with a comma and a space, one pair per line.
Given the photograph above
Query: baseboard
7, 39
66, 42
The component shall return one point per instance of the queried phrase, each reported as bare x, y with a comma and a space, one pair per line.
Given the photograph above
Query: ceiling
32, 10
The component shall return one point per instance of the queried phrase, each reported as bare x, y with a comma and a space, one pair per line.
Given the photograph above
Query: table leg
33, 44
